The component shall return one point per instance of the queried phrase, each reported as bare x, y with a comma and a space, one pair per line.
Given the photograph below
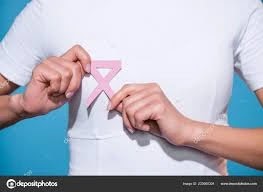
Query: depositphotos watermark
11, 184
28, 173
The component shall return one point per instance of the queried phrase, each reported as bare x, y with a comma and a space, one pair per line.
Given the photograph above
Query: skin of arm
9, 114
53, 83
242, 145
144, 107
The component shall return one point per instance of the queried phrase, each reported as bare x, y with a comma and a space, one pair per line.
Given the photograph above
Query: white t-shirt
190, 48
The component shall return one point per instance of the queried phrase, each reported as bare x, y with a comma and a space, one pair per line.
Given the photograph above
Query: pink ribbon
103, 82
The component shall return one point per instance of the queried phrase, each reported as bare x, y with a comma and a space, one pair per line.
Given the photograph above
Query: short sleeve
23, 46
249, 53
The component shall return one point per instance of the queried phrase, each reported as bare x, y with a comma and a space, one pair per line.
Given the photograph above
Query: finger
131, 99
141, 116
77, 75
119, 108
147, 114
135, 97
153, 127
76, 79
77, 53
52, 79
136, 110
124, 92
58, 100
126, 122
139, 95
134, 103
61, 67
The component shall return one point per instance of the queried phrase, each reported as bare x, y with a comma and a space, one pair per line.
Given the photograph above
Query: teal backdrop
39, 146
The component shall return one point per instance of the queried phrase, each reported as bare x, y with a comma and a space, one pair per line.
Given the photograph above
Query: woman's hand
146, 108
54, 82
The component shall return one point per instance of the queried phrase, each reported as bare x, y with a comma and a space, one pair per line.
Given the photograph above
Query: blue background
38, 146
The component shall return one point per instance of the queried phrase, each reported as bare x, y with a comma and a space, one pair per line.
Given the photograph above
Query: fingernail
109, 106
131, 130
69, 95
56, 94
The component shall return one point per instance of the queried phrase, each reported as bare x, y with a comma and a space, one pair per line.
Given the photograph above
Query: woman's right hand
54, 82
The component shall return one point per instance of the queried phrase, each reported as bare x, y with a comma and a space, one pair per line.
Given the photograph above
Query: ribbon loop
103, 82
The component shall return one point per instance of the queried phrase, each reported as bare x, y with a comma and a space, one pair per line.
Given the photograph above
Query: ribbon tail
93, 95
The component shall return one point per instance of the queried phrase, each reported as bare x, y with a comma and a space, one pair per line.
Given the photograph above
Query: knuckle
156, 96
126, 86
86, 58
138, 116
154, 84
160, 106
35, 71
130, 111
68, 73
156, 87
77, 47
82, 53
125, 103
46, 61
56, 77
52, 58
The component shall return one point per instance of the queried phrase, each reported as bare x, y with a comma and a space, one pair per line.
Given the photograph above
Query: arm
11, 111
145, 107
9, 114
241, 145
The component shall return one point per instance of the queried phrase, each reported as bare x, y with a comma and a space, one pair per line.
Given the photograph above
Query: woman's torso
187, 47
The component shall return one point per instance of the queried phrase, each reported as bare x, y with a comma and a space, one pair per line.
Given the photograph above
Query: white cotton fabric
190, 48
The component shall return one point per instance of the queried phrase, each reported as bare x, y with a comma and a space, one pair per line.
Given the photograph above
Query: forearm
241, 145
10, 110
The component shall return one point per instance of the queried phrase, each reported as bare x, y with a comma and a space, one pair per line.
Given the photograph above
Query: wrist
188, 129
179, 128
17, 107
199, 133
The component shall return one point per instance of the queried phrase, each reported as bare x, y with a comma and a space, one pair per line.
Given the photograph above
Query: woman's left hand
145, 107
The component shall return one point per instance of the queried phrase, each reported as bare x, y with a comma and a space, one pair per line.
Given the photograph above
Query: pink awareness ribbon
103, 82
